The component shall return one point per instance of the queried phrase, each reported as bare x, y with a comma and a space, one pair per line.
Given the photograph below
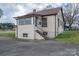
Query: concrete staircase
40, 33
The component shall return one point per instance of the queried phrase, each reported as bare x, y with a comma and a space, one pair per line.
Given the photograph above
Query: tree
48, 7
70, 13
1, 13
7, 26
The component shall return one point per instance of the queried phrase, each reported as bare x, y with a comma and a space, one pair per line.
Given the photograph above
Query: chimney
34, 10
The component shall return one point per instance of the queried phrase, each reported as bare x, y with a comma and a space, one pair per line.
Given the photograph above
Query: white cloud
13, 10
21, 10
24, 9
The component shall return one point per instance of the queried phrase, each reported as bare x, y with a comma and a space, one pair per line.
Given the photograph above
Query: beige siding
29, 29
50, 26
60, 29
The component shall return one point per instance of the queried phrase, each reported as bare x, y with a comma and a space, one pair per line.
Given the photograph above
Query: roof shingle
45, 12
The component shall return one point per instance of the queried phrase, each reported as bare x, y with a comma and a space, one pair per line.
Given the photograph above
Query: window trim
23, 21
25, 34
44, 24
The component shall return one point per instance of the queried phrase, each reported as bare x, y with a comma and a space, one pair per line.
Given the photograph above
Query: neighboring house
40, 24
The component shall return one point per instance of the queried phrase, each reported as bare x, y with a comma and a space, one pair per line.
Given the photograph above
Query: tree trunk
70, 27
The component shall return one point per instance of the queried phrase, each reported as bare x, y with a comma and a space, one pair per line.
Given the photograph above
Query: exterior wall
50, 26
59, 29
29, 29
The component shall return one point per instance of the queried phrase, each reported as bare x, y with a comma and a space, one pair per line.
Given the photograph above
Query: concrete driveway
12, 47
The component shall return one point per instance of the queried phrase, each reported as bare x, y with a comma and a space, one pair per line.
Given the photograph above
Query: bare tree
70, 13
1, 13
48, 7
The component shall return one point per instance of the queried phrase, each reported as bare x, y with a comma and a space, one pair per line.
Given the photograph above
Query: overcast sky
11, 10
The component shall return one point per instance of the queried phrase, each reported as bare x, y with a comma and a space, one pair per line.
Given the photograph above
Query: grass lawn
7, 34
68, 37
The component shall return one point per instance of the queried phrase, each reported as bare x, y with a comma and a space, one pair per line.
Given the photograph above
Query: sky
39, 1
11, 10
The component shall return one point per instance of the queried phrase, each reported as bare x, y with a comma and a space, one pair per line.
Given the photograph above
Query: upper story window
21, 22
44, 22
26, 21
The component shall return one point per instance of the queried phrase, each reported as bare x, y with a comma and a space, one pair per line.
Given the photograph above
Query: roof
45, 12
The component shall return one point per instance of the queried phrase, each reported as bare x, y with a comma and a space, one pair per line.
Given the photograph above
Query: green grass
7, 34
68, 37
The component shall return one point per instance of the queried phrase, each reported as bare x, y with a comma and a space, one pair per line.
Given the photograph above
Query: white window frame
18, 22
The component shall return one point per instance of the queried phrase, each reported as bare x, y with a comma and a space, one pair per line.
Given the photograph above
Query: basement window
25, 35
44, 33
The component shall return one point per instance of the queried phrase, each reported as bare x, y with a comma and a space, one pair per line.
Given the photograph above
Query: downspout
17, 29
63, 18
55, 25
34, 25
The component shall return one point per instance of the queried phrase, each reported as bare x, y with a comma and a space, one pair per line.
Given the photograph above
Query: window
44, 22
25, 21
21, 22
44, 33
39, 23
25, 35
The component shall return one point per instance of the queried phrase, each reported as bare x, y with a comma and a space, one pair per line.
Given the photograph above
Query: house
40, 24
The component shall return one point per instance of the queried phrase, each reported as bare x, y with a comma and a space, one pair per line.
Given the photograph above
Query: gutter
63, 18
55, 25
34, 26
